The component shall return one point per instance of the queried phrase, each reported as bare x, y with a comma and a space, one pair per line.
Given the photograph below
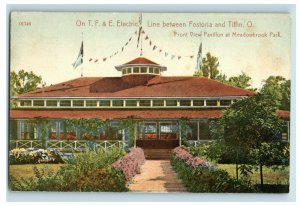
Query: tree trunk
261, 176
237, 165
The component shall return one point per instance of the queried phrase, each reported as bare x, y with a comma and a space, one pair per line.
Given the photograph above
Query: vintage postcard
150, 102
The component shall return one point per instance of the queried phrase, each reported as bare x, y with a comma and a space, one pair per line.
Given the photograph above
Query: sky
47, 43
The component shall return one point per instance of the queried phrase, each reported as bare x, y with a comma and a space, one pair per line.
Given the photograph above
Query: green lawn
270, 176
26, 171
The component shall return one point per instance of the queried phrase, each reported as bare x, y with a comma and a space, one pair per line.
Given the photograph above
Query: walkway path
157, 176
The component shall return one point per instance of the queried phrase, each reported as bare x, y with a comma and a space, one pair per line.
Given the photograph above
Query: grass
26, 171
270, 176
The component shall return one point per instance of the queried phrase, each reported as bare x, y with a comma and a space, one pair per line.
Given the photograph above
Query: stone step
158, 153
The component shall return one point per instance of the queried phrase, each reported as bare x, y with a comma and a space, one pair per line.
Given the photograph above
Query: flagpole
141, 54
82, 56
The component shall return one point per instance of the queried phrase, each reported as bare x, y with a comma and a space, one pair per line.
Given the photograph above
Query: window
145, 103
28, 130
204, 132
198, 103
285, 131
168, 130
149, 130
226, 102
78, 103
131, 103
211, 103
123, 71
104, 103
171, 103
91, 103
13, 129
117, 103
143, 69
38, 103
156, 70
65, 103
53, 130
158, 103
185, 102
136, 69
129, 70
151, 70
192, 131
51, 103
25, 103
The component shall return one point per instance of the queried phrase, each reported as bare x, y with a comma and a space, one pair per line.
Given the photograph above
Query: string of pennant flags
150, 43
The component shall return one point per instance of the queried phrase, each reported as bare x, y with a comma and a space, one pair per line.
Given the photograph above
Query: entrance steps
157, 154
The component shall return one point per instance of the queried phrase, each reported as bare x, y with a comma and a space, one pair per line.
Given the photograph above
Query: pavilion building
157, 103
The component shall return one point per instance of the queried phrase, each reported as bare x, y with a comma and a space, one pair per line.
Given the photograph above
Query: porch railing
66, 144
195, 143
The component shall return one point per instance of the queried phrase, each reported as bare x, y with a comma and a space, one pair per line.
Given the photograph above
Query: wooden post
75, 144
179, 134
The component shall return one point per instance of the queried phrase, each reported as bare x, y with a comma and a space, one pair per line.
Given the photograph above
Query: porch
147, 134
66, 145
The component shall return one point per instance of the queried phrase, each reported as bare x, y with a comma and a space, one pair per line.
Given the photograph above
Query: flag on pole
140, 30
79, 59
199, 58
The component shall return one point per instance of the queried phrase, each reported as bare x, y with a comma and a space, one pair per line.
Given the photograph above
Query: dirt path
157, 176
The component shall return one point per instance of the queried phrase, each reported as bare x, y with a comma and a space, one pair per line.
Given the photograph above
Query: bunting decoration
154, 47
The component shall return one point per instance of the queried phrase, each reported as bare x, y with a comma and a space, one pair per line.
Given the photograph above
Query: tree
210, 66
269, 154
277, 90
23, 82
247, 124
242, 81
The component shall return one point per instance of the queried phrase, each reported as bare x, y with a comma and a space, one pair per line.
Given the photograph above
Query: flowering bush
189, 159
131, 163
34, 156
199, 175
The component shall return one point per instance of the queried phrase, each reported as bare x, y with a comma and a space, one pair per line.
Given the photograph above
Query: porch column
179, 130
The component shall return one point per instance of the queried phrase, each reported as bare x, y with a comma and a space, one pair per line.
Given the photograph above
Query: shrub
34, 156
201, 176
131, 163
105, 180
90, 171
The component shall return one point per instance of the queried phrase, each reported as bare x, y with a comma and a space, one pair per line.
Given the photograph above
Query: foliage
246, 125
210, 66
203, 178
103, 180
212, 150
242, 81
195, 162
70, 177
23, 82
34, 156
89, 127
131, 163
183, 131
268, 154
130, 123
277, 90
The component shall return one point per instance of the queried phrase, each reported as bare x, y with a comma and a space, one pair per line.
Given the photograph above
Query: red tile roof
123, 113
283, 114
115, 114
141, 60
139, 86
